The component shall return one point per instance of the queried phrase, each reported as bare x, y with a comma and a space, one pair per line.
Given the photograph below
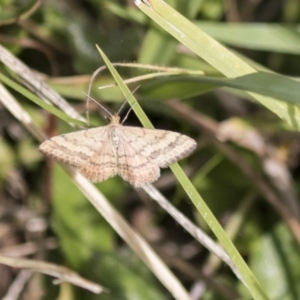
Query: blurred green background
57, 39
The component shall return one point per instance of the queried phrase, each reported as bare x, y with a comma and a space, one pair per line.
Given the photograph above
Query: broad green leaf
256, 36
275, 260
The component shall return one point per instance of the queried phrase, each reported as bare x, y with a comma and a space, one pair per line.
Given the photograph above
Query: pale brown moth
134, 153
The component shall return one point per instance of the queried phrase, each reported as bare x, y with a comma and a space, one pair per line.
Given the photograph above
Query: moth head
115, 119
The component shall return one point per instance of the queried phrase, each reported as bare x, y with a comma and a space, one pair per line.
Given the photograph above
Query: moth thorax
114, 138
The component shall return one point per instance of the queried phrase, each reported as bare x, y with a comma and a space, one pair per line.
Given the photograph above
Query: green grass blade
268, 84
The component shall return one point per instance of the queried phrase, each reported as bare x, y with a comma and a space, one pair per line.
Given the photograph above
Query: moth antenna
95, 74
123, 104
126, 100
129, 110
99, 104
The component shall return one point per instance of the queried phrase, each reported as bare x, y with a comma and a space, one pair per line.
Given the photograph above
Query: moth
134, 153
